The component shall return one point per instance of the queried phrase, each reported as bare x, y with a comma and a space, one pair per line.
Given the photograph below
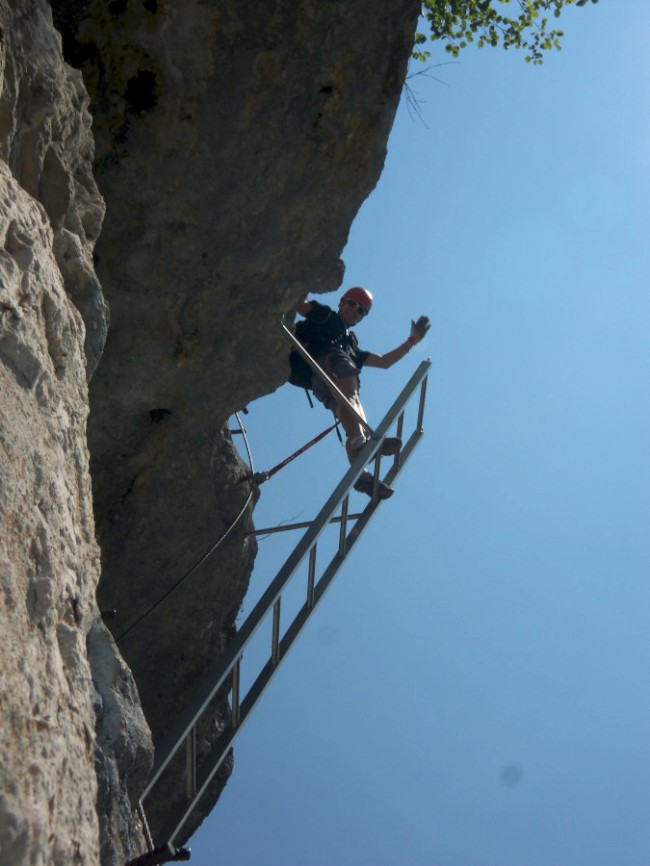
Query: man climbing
334, 346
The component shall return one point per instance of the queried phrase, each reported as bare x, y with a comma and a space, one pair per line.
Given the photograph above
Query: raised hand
419, 329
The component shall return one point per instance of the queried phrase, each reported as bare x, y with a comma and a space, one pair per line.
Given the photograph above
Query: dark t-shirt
328, 331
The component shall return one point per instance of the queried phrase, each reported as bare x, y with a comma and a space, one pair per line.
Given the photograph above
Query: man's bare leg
356, 435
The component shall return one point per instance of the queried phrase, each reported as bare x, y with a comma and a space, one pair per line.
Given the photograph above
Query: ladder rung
311, 575
275, 642
235, 694
191, 762
343, 531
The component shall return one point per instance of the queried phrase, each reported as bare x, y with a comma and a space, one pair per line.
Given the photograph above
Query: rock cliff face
233, 143
52, 699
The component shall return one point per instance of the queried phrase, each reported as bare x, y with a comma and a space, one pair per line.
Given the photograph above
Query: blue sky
474, 689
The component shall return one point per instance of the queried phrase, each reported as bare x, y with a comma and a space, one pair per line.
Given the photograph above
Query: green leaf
459, 22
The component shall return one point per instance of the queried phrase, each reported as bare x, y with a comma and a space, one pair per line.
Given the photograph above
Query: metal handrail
228, 665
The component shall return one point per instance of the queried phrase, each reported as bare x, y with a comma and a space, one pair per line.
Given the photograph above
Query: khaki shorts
337, 364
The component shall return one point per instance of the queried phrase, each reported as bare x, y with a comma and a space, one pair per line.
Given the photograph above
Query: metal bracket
163, 854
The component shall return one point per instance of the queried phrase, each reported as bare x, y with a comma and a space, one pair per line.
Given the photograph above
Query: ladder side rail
360, 524
213, 760
418, 378
423, 397
363, 520
219, 750
222, 669
406, 451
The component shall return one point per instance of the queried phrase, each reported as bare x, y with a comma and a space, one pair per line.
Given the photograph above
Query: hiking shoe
364, 484
390, 445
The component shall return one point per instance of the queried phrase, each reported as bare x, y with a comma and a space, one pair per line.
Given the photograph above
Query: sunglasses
357, 307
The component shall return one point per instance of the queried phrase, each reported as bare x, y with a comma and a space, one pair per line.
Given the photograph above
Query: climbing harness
333, 388
260, 477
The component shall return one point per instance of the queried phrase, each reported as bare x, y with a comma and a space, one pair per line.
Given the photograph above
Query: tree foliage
485, 22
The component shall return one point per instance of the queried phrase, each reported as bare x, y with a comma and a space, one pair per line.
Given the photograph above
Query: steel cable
206, 555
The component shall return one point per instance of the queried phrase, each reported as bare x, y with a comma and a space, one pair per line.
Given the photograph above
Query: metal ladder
227, 667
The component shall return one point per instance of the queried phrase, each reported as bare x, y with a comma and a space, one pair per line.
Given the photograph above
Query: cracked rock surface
52, 329
49, 561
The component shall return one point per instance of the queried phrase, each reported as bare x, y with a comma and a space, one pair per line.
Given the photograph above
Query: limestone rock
124, 749
46, 140
50, 307
49, 561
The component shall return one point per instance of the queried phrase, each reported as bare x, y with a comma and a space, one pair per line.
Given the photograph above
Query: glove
419, 329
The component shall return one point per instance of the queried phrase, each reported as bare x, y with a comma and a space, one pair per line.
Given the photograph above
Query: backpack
300, 371
316, 337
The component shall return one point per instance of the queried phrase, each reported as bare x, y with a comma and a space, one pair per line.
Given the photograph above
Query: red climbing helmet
361, 296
